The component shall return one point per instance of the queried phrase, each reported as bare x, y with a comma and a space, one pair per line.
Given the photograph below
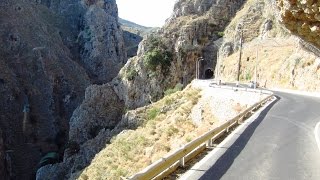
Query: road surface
279, 144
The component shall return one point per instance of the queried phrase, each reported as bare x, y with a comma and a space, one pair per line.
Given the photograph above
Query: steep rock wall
302, 18
182, 41
92, 126
102, 48
189, 34
45, 68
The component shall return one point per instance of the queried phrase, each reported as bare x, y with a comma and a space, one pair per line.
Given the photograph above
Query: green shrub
154, 42
131, 74
152, 113
157, 54
172, 131
221, 34
156, 57
248, 76
178, 87
188, 139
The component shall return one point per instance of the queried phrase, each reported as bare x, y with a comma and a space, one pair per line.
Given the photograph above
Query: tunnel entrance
208, 74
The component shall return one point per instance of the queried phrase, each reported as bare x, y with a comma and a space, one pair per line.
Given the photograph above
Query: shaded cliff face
133, 34
46, 63
132, 41
96, 39
91, 127
192, 32
302, 18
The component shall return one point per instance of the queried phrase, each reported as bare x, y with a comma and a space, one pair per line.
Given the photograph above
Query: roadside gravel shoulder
223, 104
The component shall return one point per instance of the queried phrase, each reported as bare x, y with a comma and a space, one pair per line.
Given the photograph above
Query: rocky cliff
50, 51
273, 54
170, 55
133, 34
164, 59
302, 18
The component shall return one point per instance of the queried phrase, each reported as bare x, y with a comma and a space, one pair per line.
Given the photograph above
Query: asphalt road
279, 144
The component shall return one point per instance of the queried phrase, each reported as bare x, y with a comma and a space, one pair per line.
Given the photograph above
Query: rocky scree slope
50, 51
166, 125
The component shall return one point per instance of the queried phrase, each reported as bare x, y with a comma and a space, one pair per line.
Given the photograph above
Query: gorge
67, 85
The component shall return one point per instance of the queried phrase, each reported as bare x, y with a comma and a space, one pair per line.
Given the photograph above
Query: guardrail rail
179, 157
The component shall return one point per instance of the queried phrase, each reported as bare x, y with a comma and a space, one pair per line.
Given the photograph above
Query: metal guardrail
178, 157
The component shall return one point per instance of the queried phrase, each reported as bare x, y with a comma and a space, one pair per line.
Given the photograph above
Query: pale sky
151, 13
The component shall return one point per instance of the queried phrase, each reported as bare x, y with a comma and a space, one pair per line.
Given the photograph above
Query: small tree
157, 54
156, 57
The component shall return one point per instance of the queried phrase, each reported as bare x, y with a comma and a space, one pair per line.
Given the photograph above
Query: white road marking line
218, 151
317, 134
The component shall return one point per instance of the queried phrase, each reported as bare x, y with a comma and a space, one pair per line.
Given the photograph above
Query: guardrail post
209, 143
182, 162
241, 119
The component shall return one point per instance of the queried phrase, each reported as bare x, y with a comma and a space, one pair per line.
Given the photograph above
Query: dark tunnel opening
208, 74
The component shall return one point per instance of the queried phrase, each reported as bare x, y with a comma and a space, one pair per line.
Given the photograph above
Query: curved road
279, 144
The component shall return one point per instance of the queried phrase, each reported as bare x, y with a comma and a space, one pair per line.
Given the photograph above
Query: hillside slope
283, 60
162, 127
134, 28
133, 34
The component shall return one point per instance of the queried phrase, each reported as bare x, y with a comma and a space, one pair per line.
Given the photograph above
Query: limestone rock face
95, 37
302, 18
189, 34
102, 48
36, 69
132, 41
100, 109
271, 47
133, 34
259, 21
46, 62
75, 162
92, 126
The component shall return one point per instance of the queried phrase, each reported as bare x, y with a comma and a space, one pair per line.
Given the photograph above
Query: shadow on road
226, 160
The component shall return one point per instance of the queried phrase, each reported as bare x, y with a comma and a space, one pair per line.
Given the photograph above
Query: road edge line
317, 135
241, 128
296, 92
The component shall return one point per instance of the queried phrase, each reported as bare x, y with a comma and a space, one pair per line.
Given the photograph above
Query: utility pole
198, 67
217, 66
255, 69
239, 61
218, 69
